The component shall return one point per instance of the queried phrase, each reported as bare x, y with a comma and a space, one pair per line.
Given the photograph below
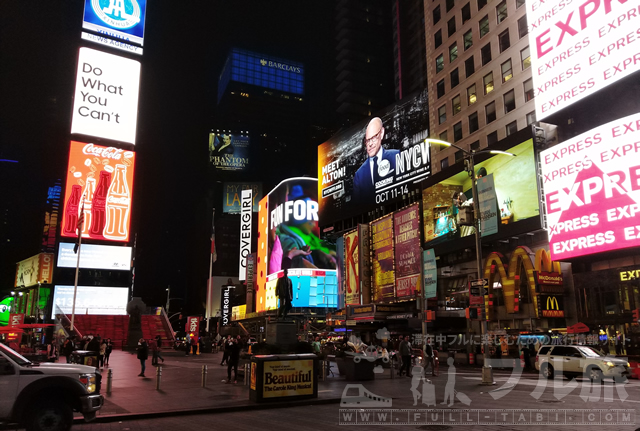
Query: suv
580, 360
44, 396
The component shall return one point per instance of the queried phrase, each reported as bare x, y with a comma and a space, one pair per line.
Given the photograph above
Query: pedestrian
225, 355
428, 353
155, 350
232, 361
143, 354
94, 345
107, 351
67, 348
316, 346
187, 345
103, 352
194, 344
51, 352
159, 343
405, 353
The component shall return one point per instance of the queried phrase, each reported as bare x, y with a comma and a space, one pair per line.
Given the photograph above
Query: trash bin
84, 357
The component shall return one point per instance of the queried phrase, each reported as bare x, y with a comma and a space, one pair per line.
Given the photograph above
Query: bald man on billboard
378, 170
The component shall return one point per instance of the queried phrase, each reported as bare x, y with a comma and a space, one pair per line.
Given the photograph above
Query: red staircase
115, 327
153, 325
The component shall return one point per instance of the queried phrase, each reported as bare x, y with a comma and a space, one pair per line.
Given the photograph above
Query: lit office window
471, 94
488, 83
525, 58
507, 71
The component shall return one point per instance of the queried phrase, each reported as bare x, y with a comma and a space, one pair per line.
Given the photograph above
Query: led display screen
578, 48
91, 300
592, 190
374, 163
120, 20
101, 179
105, 102
95, 256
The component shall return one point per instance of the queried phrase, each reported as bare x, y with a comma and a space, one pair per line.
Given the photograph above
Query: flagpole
208, 305
75, 285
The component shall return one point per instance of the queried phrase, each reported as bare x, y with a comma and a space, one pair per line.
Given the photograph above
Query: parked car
580, 361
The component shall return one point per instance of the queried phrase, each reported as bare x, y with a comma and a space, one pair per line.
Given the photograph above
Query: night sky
185, 46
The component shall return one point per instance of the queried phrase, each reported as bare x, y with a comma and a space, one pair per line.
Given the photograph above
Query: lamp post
487, 371
168, 289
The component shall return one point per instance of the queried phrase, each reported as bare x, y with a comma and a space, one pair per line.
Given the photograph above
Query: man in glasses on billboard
378, 170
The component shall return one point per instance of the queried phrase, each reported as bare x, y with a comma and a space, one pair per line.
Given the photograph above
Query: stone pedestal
283, 334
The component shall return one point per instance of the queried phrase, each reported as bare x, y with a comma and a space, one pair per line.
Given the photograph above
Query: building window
437, 38
528, 90
451, 26
525, 58
439, 63
484, 26
490, 110
481, 4
457, 131
455, 79
468, 40
444, 163
531, 118
459, 155
503, 40
523, 29
501, 11
440, 88
453, 52
455, 104
436, 15
507, 71
486, 53
488, 83
443, 136
442, 114
519, 3
509, 101
475, 146
469, 66
466, 12
471, 94
473, 122
512, 128
450, 4
492, 138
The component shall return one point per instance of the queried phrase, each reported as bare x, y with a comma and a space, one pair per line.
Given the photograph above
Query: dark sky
185, 45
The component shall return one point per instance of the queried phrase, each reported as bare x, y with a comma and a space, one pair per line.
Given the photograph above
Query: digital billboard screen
101, 178
91, 300
232, 193
376, 162
105, 101
516, 195
592, 190
229, 152
120, 20
95, 256
578, 48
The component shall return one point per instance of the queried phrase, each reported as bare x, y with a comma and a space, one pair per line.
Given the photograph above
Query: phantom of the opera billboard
100, 180
290, 238
592, 190
374, 163
229, 152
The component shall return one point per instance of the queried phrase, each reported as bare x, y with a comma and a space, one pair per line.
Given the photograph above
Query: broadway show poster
229, 152
430, 273
406, 227
232, 193
376, 162
364, 255
287, 378
383, 271
352, 271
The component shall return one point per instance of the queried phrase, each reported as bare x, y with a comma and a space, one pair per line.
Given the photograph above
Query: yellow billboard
288, 378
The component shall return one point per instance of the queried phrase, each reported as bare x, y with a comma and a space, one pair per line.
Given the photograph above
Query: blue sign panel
118, 19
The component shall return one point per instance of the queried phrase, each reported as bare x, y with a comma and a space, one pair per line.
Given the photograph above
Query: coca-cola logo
106, 152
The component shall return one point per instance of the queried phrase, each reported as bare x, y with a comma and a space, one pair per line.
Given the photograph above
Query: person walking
143, 355
107, 351
159, 349
103, 352
234, 358
405, 353
225, 355
194, 344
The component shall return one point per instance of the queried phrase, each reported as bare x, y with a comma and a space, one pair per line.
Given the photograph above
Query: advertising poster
105, 102
592, 190
406, 227
288, 378
123, 20
38, 268
229, 152
352, 271
232, 193
578, 48
488, 206
375, 162
364, 257
430, 273
91, 300
383, 259
246, 214
226, 294
95, 257
253, 376
101, 178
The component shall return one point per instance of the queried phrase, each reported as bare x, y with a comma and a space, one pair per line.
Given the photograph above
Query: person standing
107, 351
103, 352
194, 344
143, 355
405, 353
67, 348
225, 355
284, 291
232, 361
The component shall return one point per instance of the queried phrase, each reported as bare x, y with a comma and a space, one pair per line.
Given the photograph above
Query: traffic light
636, 315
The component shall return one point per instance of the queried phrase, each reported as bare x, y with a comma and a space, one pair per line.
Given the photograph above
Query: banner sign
383, 260
245, 231
95, 257
551, 305
121, 20
231, 196
592, 190
288, 378
193, 325
352, 271
91, 300
229, 152
38, 268
105, 103
488, 205
407, 250
16, 319
430, 273
225, 304
102, 178
364, 264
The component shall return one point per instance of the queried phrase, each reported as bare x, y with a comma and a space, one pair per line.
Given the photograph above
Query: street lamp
487, 371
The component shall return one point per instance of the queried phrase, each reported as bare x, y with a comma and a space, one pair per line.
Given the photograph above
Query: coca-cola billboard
102, 179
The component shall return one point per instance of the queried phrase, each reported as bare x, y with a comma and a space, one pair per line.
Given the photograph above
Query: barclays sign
117, 19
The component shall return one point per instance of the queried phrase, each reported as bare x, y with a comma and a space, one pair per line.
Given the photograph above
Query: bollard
247, 372
158, 377
109, 379
204, 376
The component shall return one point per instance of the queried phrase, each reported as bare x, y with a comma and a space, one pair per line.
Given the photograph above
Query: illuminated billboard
95, 256
516, 195
592, 190
578, 48
406, 225
121, 20
231, 194
36, 269
229, 152
91, 300
105, 102
374, 163
288, 223
102, 179
384, 278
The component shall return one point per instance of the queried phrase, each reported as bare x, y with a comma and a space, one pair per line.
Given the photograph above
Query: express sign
592, 190
579, 47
